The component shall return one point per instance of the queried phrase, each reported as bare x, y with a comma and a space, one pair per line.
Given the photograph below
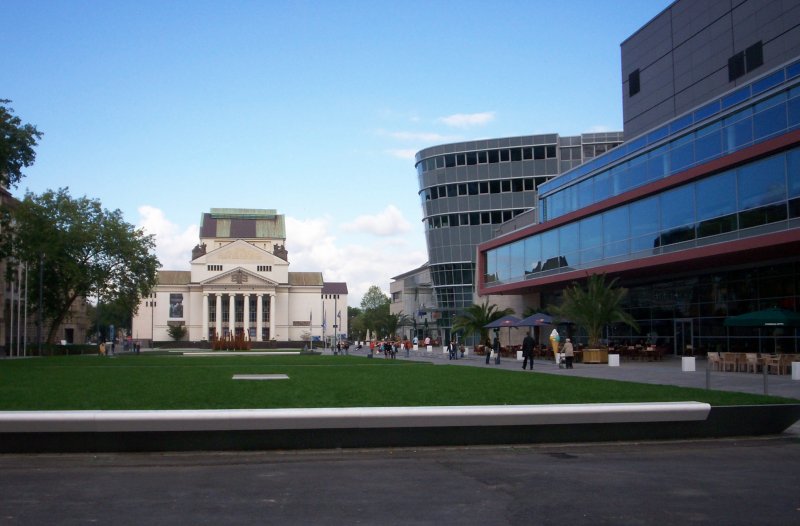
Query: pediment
239, 276
240, 251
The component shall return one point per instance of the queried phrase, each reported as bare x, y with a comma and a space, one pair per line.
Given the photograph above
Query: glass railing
752, 90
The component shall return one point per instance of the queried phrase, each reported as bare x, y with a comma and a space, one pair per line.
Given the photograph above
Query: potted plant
594, 307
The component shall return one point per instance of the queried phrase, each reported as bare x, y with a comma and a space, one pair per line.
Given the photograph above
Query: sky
166, 109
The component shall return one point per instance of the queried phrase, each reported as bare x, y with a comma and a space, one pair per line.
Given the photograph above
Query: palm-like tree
476, 316
594, 307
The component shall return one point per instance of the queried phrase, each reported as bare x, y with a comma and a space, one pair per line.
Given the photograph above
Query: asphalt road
749, 481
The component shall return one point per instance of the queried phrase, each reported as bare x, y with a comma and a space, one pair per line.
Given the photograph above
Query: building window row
761, 121
493, 217
264, 268
214, 268
725, 205
745, 61
749, 91
496, 186
503, 155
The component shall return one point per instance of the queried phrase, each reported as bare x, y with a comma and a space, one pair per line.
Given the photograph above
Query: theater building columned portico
239, 284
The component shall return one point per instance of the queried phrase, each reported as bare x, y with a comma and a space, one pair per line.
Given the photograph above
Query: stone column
232, 315
272, 328
259, 316
204, 336
219, 315
246, 316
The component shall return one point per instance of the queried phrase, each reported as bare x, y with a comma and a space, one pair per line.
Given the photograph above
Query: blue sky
165, 109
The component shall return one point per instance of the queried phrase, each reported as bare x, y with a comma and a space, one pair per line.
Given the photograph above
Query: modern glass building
698, 215
470, 190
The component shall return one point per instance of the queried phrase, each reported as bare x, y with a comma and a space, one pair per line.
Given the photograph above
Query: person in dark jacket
527, 350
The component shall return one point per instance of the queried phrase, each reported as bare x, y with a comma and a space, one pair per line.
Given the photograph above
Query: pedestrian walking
527, 350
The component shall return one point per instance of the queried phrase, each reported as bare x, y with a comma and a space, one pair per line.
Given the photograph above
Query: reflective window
616, 231
568, 243
793, 172
517, 259
644, 223
677, 207
533, 254
762, 182
716, 196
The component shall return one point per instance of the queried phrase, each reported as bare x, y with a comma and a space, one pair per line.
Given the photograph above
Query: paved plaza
667, 371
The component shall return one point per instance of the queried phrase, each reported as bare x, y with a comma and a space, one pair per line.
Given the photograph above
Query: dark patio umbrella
506, 321
536, 320
774, 317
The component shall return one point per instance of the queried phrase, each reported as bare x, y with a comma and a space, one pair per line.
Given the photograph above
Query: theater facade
240, 284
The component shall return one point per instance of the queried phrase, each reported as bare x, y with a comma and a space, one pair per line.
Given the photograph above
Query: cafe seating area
739, 362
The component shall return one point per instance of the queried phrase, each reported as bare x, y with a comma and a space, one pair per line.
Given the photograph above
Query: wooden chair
729, 361
751, 362
773, 362
714, 361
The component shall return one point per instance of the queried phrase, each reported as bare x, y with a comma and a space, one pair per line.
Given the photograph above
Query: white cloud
387, 222
173, 245
466, 120
408, 155
419, 136
359, 263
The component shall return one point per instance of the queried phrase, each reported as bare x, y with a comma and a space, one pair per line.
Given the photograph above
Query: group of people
528, 346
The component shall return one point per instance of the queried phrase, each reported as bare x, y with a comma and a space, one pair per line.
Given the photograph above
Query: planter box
687, 364
595, 356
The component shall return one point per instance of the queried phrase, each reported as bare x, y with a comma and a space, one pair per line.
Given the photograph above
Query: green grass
176, 382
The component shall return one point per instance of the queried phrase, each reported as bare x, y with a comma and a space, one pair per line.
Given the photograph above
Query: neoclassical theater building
240, 283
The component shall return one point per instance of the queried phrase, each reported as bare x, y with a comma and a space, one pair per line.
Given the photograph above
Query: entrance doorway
684, 334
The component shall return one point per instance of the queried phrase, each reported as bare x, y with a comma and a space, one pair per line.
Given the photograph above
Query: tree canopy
81, 250
17, 142
595, 306
476, 316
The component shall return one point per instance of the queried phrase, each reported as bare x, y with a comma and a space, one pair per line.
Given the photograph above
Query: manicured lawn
176, 382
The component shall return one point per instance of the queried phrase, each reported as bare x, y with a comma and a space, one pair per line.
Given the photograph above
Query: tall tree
375, 311
17, 142
81, 250
476, 316
595, 306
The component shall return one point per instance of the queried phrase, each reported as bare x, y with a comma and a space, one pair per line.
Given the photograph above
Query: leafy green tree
81, 250
355, 323
176, 332
397, 320
374, 298
595, 306
17, 142
476, 316
375, 311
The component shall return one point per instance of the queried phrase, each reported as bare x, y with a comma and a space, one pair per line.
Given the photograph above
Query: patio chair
751, 362
714, 361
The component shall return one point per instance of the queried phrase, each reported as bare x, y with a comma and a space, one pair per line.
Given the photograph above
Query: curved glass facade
468, 190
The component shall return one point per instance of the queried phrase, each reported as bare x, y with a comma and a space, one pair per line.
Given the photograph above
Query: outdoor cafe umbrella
774, 317
537, 319
506, 321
